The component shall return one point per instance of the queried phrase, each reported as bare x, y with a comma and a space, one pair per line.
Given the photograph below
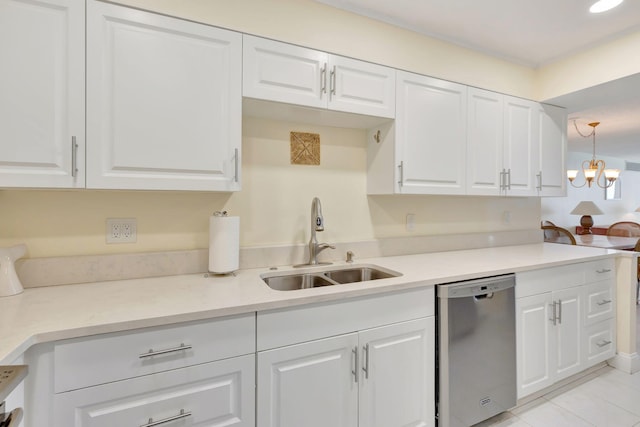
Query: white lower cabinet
381, 377
211, 394
564, 322
365, 362
197, 373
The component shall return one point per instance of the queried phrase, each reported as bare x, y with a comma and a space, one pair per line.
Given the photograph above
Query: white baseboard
626, 362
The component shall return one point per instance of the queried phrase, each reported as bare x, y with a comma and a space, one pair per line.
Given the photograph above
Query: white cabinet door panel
42, 87
484, 142
218, 394
362, 88
569, 331
282, 72
397, 375
430, 135
600, 342
310, 385
163, 102
536, 348
520, 145
552, 180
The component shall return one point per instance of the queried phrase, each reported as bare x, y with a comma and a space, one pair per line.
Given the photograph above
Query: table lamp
586, 209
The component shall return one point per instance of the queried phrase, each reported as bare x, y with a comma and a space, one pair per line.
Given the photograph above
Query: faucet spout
317, 225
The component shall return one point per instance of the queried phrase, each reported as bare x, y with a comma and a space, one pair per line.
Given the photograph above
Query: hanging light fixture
594, 169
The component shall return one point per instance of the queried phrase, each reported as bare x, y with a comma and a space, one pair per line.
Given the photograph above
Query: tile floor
605, 398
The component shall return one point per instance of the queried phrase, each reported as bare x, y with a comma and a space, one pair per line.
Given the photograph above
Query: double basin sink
329, 276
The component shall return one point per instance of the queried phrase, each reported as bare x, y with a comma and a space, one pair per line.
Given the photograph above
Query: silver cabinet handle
152, 352
13, 418
603, 343
554, 318
604, 302
365, 367
401, 167
560, 311
332, 82
323, 80
508, 179
539, 177
604, 270
182, 414
354, 371
236, 164
74, 157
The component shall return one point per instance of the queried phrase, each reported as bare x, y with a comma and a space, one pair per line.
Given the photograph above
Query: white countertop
60, 312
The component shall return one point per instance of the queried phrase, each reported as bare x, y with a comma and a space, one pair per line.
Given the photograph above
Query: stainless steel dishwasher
476, 350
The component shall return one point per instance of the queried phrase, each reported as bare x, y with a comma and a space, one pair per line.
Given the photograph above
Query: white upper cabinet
42, 93
424, 152
485, 141
163, 102
521, 154
551, 178
281, 72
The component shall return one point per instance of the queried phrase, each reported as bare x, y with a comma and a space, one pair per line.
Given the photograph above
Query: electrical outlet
121, 230
410, 225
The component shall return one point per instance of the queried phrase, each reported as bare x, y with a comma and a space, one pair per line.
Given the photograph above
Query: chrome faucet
317, 224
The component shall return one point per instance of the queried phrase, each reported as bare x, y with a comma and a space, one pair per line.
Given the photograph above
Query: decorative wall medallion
305, 148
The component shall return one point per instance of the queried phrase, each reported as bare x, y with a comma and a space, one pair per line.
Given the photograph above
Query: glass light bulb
611, 174
604, 5
572, 173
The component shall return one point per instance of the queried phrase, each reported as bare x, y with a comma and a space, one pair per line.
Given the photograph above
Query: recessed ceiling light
604, 5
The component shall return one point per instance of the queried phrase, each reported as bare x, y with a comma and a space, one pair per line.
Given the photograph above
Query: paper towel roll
224, 244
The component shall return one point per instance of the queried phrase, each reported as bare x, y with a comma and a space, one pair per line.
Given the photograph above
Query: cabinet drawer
110, 357
599, 302
212, 394
600, 270
600, 342
549, 279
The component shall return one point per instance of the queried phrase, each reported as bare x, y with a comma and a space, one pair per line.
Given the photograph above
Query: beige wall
274, 205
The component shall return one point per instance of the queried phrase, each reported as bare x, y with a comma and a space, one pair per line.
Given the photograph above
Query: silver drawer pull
151, 352
182, 414
603, 343
604, 302
604, 270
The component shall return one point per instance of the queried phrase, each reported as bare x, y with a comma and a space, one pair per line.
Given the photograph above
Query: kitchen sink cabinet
564, 322
163, 102
276, 71
367, 362
381, 377
42, 130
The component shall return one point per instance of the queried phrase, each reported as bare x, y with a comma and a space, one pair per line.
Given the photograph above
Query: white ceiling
533, 33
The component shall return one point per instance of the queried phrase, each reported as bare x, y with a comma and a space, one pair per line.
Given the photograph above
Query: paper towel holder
9, 281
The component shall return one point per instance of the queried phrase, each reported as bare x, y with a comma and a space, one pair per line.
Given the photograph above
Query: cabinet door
42, 87
163, 102
568, 331
484, 142
281, 72
397, 380
520, 146
551, 179
212, 394
361, 87
536, 343
310, 385
431, 132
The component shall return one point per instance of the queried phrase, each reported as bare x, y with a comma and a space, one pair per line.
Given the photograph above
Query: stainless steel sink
361, 274
326, 277
297, 281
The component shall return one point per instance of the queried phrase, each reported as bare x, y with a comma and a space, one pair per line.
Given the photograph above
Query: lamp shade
638, 209
586, 208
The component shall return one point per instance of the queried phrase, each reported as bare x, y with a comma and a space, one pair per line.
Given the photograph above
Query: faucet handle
325, 246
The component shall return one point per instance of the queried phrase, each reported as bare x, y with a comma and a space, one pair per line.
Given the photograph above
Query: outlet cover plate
121, 230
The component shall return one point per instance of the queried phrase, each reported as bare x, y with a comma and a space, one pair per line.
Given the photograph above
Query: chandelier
594, 169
